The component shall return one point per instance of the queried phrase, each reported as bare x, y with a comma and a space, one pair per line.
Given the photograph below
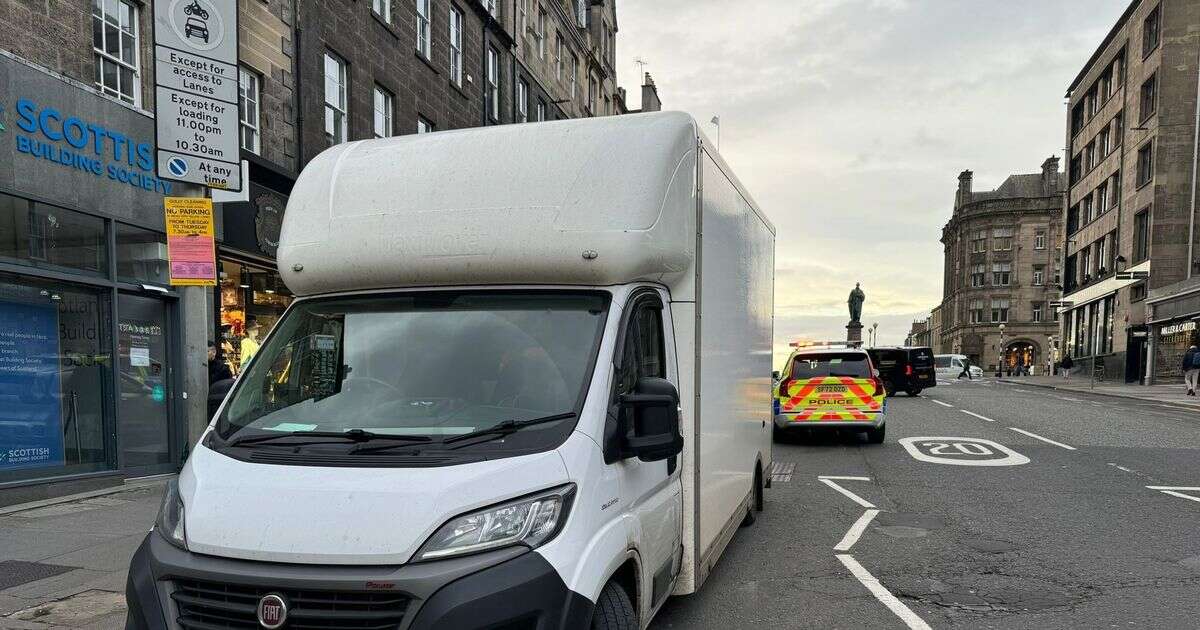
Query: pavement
63, 565
1172, 393
1071, 529
1013, 506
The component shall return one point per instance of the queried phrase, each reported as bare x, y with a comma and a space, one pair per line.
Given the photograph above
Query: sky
850, 120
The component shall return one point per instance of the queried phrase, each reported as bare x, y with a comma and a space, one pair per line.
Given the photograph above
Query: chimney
1050, 175
650, 100
964, 189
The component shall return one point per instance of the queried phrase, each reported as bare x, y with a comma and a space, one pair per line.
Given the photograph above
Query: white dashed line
856, 530
841, 478
897, 607
969, 413
1023, 391
941, 403
1121, 468
1046, 440
1172, 490
849, 495
1068, 399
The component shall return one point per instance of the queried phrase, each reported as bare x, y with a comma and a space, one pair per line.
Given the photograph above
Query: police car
830, 386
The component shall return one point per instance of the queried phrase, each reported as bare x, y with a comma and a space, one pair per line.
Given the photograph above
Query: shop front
251, 296
1172, 340
1174, 326
89, 326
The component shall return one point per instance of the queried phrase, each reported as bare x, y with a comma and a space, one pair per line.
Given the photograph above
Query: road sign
960, 451
191, 251
196, 100
1061, 304
1133, 275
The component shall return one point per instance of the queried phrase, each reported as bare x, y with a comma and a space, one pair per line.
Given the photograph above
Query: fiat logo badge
272, 611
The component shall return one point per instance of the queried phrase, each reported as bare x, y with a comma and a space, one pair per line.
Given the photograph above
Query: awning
1102, 289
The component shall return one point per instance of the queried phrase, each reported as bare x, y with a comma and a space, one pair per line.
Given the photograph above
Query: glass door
143, 352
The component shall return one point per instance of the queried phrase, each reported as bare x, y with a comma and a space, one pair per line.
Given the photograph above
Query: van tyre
614, 611
875, 436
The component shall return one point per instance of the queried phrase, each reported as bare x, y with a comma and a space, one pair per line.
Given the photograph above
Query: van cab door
651, 491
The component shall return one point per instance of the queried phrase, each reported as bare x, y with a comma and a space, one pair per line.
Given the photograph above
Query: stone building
1131, 203
1000, 270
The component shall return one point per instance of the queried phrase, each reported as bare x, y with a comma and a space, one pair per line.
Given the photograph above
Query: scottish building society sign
196, 100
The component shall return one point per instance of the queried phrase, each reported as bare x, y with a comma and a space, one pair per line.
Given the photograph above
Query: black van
908, 370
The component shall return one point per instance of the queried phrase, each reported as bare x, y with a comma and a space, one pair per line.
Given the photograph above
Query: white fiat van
525, 384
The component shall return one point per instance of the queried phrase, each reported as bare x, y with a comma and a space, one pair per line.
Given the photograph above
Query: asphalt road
1072, 538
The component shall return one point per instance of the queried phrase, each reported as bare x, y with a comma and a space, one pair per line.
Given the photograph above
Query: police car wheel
875, 436
614, 611
777, 434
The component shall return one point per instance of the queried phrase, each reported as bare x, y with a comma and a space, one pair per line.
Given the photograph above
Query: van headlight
170, 516
530, 521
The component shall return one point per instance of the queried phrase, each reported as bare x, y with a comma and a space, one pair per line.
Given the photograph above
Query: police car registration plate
831, 388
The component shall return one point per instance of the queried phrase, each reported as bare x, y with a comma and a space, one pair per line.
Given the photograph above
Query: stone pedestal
854, 332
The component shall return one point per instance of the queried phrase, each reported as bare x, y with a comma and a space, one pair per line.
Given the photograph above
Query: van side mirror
651, 427
775, 375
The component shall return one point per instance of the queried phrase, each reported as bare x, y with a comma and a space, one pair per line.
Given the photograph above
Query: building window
1148, 103
1141, 236
1102, 199
1057, 271
1039, 239
1076, 169
423, 125
1077, 119
115, 44
976, 311
1001, 274
1073, 219
1000, 310
456, 46
574, 75
1089, 156
522, 101
249, 86
558, 55
1115, 185
522, 17
1138, 292
336, 125
1105, 143
593, 94
1145, 164
1085, 265
493, 83
383, 112
978, 275
1002, 239
493, 7
383, 8
978, 242
1037, 312
424, 29
540, 114
540, 35
1039, 275
1088, 209
1150, 31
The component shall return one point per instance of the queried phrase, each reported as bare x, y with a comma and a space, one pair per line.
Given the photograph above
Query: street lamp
874, 334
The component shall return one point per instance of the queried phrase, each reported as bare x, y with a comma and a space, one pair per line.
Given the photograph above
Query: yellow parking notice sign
191, 246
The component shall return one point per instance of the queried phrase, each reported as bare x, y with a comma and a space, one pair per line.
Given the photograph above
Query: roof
1112, 34
1015, 187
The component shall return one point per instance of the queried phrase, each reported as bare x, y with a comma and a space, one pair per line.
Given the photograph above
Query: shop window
141, 256
41, 235
249, 295
53, 402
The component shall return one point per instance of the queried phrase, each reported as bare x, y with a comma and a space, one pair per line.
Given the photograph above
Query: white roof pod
595, 201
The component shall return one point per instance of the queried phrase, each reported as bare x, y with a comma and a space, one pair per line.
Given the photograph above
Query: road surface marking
1046, 440
840, 478
942, 403
1068, 398
782, 471
977, 415
1023, 391
1175, 491
885, 597
856, 530
1120, 468
850, 495
961, 451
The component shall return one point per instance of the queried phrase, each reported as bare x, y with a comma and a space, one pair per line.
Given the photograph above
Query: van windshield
434, 365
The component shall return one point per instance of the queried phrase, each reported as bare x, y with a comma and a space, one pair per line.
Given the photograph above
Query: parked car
949, 366
905, 369
832, 387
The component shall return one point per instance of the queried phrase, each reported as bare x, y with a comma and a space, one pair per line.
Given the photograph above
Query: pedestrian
249, 344
966, 371
1191, 369
1066, 366
218, 370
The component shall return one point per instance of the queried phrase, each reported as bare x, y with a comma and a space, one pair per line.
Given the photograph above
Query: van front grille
218, 606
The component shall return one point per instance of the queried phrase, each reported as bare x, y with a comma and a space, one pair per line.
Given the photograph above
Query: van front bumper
512, 587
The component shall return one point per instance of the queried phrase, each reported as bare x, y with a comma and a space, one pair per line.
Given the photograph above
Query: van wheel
875, 436
759, 499
614, 611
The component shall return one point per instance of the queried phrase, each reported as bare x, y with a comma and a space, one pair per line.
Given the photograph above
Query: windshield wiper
353, 435
506, 427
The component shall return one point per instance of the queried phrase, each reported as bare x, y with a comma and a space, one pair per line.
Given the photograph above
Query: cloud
849, 121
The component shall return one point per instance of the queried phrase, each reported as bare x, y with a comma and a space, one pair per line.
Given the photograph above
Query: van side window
644, 353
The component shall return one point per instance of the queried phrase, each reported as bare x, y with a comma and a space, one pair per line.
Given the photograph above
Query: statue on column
857, 297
